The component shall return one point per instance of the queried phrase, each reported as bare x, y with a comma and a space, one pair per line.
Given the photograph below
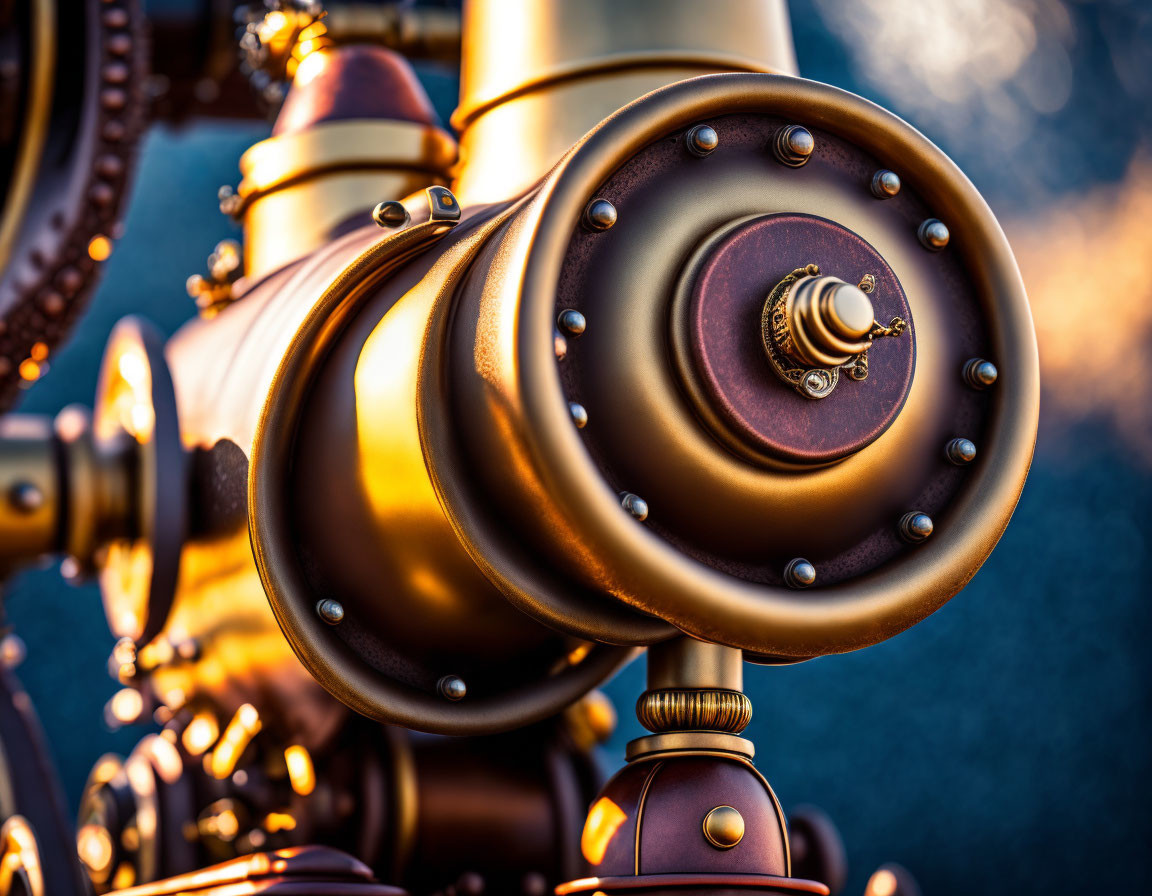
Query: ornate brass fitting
812, 326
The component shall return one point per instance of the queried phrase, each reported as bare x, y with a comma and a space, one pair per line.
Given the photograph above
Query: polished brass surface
723, 827
20, 870
885, 184
526, 427
136, 406
960, 451
535, 76
405, 509
799, 573
915, 527
793, 145
813, 325
694, 710
979, 373
28, 462
690, 663
298, 187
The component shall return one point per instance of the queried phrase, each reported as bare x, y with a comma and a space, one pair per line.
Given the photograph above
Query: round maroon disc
724, 339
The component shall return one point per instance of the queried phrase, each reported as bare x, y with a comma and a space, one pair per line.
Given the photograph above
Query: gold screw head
960, 451
723, 827
799, 573
452, 687
933, 234
885, 184
979, 373
599, 215
390, 214
793, 145
635, 505
331, 611
572, 322
701, 140
915, 527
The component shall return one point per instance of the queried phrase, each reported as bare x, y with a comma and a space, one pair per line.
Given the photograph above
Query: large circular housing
681, 414
664, 391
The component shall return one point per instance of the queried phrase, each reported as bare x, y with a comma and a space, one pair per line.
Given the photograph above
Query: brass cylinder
536, 75
30, 489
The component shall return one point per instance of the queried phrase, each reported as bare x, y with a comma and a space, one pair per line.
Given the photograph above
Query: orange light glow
126, 705
604, 820
99, 248
201, 733
239, 733
29, 370
275, 822
39, 351
301, 774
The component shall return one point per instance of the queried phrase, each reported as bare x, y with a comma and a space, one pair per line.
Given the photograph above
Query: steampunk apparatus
672, 350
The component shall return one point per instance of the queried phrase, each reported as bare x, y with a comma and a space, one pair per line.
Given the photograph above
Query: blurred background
1005, 744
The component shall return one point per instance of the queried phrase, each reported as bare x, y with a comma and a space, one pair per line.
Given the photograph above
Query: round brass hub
720, 350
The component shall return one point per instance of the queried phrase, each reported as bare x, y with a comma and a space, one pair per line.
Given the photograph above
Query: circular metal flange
692, 562
721, 358
341, 656
135, 401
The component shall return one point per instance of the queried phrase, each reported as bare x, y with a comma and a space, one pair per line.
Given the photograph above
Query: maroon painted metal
725, 342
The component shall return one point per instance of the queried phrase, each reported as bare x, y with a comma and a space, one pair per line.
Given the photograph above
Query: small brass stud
26, 497
559, 345
793, 145
452, 687
979, 373
391, 213
799, 573
960, 451
885, 184
915, 527
599, 215
933, 234
572, 322
331, 611
579, 414
723, 827
635, 505
701, 140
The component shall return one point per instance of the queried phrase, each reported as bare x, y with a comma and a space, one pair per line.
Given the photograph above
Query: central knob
828, 322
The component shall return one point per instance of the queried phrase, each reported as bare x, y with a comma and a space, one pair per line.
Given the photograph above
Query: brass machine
672, 350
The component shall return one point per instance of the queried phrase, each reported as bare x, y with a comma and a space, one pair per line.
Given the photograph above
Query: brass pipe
536, 75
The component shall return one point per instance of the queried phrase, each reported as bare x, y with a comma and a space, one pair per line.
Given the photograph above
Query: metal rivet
579, 414
960, 451
559, 345
599, 215
26, 497
933, 234
915, 526
331, 611
979, 373
799, 573
723, 827
885, 184
635, 505
571, 322
793, 145
452, 687
391, 213
701, 140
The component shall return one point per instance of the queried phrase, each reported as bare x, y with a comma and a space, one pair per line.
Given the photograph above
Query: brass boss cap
828, 321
